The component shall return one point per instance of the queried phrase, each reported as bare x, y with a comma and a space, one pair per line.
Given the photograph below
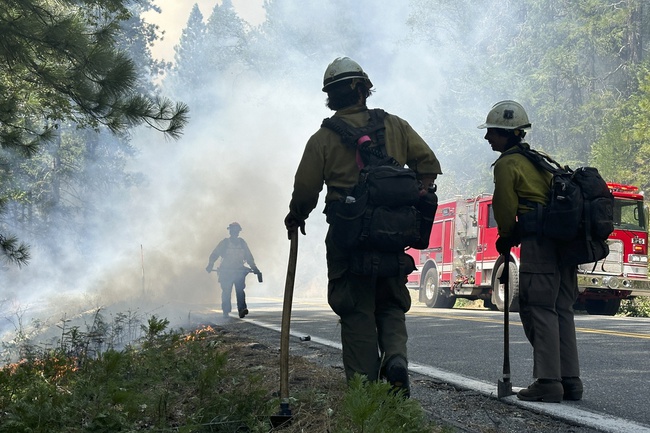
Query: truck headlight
612, 282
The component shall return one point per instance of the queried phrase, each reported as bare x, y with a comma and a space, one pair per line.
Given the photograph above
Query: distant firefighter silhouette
234, 253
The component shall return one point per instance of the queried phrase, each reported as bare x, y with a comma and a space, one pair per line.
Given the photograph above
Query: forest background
110, 212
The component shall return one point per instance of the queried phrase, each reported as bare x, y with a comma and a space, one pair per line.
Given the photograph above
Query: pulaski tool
504, 386
283, 418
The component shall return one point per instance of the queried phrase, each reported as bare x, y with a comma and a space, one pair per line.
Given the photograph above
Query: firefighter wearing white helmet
344, 69
371, 310
548, 287
507, 115
234, 253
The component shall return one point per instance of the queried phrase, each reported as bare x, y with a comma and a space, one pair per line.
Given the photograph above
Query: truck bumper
637, 286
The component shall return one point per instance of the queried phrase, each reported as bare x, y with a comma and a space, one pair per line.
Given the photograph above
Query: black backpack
580, 209
384, 212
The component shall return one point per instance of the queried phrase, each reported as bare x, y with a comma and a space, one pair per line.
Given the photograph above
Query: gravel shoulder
458, 410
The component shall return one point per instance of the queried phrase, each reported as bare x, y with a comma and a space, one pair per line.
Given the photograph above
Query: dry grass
315, 391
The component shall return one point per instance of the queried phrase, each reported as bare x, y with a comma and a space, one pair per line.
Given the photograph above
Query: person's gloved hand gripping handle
504, 243
292, 223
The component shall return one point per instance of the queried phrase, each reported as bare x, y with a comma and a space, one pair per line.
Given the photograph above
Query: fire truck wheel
433, 295
497, 287
601, 307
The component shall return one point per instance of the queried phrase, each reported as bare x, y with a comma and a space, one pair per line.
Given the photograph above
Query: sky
174, 15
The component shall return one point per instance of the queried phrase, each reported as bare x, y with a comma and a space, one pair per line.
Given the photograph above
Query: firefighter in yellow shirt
373, 329
548, 288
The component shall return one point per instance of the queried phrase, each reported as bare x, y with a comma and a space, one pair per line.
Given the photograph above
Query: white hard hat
343, 68
506, 115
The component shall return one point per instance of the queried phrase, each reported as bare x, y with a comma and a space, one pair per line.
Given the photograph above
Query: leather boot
397, 374
572, 388
550, 391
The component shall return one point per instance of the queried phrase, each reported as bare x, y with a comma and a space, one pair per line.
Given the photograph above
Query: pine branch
13, 251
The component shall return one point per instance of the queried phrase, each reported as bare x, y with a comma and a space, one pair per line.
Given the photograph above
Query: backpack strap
375, 129
587, 221
532, 221
349, 134
543, 160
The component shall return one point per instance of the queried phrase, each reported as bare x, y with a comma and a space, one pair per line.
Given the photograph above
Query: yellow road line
489, 320
449, 316
429, 313
617, 333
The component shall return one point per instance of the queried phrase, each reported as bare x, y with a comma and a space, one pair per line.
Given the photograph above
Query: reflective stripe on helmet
343, 68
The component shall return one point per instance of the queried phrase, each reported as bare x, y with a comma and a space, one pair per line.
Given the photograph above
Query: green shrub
635, 307
206, 380
173, 382
467, 303
372, 407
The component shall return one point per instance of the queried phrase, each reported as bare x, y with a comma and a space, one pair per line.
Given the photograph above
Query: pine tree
189, 70
59, 63
226, 37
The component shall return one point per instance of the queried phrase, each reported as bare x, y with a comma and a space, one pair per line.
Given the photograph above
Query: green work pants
547, 291
372, 315
227, 279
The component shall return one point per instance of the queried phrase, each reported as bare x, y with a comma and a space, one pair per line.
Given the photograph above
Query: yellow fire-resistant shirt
516, 179
327, 160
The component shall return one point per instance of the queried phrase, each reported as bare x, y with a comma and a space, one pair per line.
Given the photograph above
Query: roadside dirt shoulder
460, 410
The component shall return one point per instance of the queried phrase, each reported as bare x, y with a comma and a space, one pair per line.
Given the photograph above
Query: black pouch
530, 222
346, 220
598, 203
580, 251
390, 228
601, 214
381, 264
563, 213
390, 185
427, 206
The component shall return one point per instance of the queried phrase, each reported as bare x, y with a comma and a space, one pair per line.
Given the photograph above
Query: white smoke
235, 162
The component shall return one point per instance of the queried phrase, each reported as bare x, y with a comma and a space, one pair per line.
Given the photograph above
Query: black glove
292, 224
257, 272
504, 244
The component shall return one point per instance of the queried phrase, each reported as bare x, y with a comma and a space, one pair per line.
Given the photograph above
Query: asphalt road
614, 351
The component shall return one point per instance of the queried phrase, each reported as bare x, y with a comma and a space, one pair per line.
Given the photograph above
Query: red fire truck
462, 261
